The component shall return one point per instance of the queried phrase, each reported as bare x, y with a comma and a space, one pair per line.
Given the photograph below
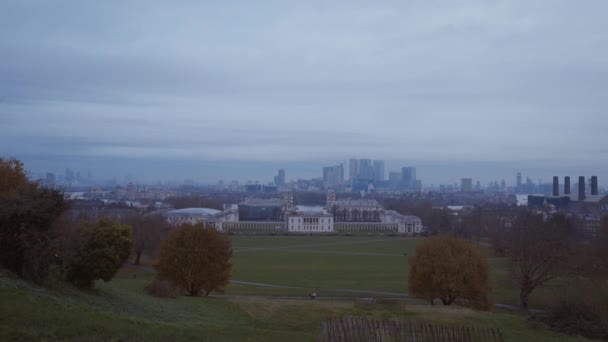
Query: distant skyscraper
279, 179
466, 184
69, 176
518, 186
366, 170
327, 175
339, 174
408, 176
333, 175
378, 170
50, 180
395, 179
353, 170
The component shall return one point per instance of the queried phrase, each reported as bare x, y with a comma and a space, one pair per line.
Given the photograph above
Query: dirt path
253, 249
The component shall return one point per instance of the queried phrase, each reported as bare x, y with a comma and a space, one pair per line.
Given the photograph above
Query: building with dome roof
215, 217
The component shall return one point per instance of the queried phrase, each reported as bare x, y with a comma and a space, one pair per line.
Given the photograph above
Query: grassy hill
121, 310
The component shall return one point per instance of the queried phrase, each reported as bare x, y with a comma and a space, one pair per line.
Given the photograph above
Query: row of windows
310, 220
311, 228
366, 227
252, 226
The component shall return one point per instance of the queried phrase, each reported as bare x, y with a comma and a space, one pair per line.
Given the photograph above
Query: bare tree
148, 231
539, 251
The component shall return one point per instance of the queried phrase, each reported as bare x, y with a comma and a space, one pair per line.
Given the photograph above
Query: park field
346, 266
120, 311
285, 269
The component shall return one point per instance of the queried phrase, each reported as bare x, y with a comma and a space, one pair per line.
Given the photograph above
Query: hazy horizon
210, 172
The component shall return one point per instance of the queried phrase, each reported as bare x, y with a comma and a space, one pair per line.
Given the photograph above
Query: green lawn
120, 309
323, 263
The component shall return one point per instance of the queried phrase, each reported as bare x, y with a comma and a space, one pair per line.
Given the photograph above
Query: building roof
308, 214
193, 212
263, 202
403, 218
311, 210
358, 203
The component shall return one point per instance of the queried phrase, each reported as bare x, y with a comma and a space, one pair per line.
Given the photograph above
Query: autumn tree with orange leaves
449, 269
195, 258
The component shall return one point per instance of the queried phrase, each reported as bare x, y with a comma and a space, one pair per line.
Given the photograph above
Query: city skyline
265, 173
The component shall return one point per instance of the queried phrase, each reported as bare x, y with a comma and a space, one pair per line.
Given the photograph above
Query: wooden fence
369, 329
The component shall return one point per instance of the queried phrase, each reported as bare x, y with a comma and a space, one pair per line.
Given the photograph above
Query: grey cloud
482, 80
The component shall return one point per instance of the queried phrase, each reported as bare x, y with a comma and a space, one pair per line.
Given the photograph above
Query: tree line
40, 243
37, 243
539, 249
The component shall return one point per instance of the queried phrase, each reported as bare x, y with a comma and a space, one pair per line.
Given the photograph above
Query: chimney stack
581, 188
594, 185
555, 186
567, 185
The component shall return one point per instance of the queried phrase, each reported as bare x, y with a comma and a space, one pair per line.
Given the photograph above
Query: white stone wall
302, 223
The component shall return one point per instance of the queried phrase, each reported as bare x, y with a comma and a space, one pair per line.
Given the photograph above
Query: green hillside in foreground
121, 310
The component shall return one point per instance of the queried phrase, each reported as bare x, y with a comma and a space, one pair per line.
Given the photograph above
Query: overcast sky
518, 83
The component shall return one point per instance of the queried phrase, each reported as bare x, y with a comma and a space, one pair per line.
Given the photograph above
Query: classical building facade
309, 220
358, 210
265, 215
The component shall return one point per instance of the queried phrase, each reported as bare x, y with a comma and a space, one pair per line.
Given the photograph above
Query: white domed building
202, 215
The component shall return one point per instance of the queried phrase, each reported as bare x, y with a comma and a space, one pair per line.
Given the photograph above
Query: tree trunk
138, 257
448, 300
524, 293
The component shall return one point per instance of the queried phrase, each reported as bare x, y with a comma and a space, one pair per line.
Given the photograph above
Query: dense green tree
107, 247
27, 213
448, 269
196, 259
12, 175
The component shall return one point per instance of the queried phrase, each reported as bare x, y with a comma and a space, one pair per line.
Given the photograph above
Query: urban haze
233, 91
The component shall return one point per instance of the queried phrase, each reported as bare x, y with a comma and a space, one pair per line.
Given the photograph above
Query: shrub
162, 289
575, 318
107, 247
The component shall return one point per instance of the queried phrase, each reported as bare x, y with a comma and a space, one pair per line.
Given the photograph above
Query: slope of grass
120, 309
